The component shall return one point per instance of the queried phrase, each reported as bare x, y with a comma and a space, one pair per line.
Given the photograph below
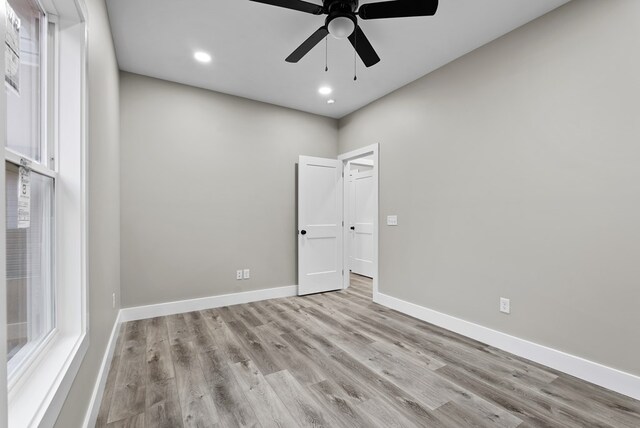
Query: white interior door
361, 214
319, 225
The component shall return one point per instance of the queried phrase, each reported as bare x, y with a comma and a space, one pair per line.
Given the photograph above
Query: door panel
362, 210
319, 225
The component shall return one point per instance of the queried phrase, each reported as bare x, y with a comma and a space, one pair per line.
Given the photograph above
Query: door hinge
343, 224
342, 272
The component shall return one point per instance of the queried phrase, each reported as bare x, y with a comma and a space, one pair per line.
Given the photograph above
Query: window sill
39, 396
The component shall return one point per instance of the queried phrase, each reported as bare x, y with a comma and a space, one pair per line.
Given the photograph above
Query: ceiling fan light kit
341, 27
342, 21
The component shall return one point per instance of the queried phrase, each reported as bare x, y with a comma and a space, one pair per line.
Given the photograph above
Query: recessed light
325, 90
202, 56
331, 101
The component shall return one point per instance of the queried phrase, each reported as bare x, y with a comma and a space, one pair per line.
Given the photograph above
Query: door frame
372, 150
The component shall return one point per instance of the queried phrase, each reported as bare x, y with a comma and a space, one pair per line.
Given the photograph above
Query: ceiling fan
342, 21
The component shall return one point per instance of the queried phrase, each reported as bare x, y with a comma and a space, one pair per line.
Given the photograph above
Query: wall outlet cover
392, 220
239, 274
505, 305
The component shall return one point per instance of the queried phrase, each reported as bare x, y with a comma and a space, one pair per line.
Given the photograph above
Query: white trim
3, 258
63, 384
39, 403
182, 306
345, 158
28, 356
15, 158
363, 162
607, 377
91, 417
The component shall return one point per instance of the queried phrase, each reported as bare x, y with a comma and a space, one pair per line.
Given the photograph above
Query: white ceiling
249, 42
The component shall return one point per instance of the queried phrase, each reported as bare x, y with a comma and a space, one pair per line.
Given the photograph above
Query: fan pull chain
355, 55
326, 53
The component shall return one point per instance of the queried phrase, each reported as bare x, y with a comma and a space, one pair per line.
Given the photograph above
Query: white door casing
361, 220
320, 230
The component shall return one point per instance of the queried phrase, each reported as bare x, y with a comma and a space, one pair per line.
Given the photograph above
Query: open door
361, 215
319, 225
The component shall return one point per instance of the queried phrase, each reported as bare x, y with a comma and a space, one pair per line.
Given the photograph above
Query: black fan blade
308, 44
362, 45
302, 6
398, 9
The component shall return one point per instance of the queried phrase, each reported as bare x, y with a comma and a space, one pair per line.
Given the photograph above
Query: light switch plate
392, 220
247, 274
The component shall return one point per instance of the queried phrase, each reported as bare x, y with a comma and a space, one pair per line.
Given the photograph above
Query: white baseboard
182, 306
91, 416
607, 377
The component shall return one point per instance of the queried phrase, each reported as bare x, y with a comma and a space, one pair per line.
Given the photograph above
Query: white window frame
36, 394
3, 273
45, 167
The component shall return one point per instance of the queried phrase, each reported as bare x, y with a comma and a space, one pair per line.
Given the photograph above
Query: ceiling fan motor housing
340, 5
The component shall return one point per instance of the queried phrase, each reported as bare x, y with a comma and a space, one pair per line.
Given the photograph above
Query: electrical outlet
505, 305
113, 300
392, 220
239, 274
247, 274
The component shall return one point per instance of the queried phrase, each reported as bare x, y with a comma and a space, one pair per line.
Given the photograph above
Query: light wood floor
335, 360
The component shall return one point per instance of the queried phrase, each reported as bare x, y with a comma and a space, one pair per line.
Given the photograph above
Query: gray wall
104, 209
515, 172
208, 187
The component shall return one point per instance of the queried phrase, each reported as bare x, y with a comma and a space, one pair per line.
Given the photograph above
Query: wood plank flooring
335, 360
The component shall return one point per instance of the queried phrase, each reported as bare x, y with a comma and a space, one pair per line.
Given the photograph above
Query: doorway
360, 214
